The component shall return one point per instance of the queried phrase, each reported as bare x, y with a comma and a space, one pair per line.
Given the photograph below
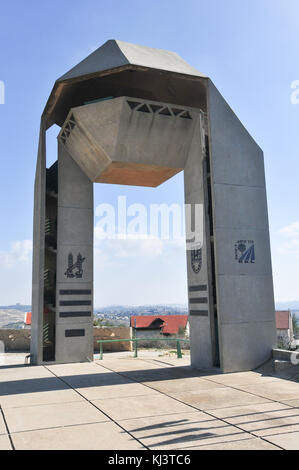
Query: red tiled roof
27, 319
171, 323
283, 319
143, 321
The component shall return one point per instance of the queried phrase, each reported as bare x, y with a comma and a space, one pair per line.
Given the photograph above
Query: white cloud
139, 269
134, 269
110, 251
19, 252
291, 230
290, 245
15, 273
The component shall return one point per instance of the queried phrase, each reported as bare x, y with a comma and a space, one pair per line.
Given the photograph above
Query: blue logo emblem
244, 251
196, 260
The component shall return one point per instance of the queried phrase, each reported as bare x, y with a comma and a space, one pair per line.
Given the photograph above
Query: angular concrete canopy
121, 69
114, 54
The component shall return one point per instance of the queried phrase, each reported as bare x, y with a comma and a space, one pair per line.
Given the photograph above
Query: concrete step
280, 365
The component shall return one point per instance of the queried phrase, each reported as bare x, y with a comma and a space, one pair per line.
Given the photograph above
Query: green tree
97, 322
182, 331
295, 321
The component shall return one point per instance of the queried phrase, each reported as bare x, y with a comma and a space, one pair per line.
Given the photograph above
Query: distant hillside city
12, 316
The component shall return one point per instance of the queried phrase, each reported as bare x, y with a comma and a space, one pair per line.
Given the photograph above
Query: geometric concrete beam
129, 141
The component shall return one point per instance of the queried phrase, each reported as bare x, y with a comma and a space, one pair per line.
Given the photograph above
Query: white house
284, 327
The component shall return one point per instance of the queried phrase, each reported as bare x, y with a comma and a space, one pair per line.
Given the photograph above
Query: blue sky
250, 50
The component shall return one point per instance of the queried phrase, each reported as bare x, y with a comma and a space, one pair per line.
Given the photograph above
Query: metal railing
135, 342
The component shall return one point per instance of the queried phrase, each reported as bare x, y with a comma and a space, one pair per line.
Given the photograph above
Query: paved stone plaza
151, 402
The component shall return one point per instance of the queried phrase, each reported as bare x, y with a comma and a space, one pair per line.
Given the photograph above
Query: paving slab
2, 425
242, 378
35, 391
8, 374
123, 365
77, 369
147, 370
175, 431
251, 412
153, 375
98, 436
166, 373
5, 442
39, 398
30, 418
154, 398
31, 385
185, 360
293, 403
244, 444
132, 361
128, 389
288, 441
181, 385
217, 398
140, 406
281, 390
169, 361
94, 380
261, 420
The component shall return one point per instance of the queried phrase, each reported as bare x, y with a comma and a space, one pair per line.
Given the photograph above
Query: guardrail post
178, 350
135, 342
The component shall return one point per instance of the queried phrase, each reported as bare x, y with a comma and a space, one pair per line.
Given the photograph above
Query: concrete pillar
243, 268
36, 348
74, 283
201, 309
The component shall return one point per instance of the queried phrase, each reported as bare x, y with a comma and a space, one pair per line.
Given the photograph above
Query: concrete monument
137, 116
